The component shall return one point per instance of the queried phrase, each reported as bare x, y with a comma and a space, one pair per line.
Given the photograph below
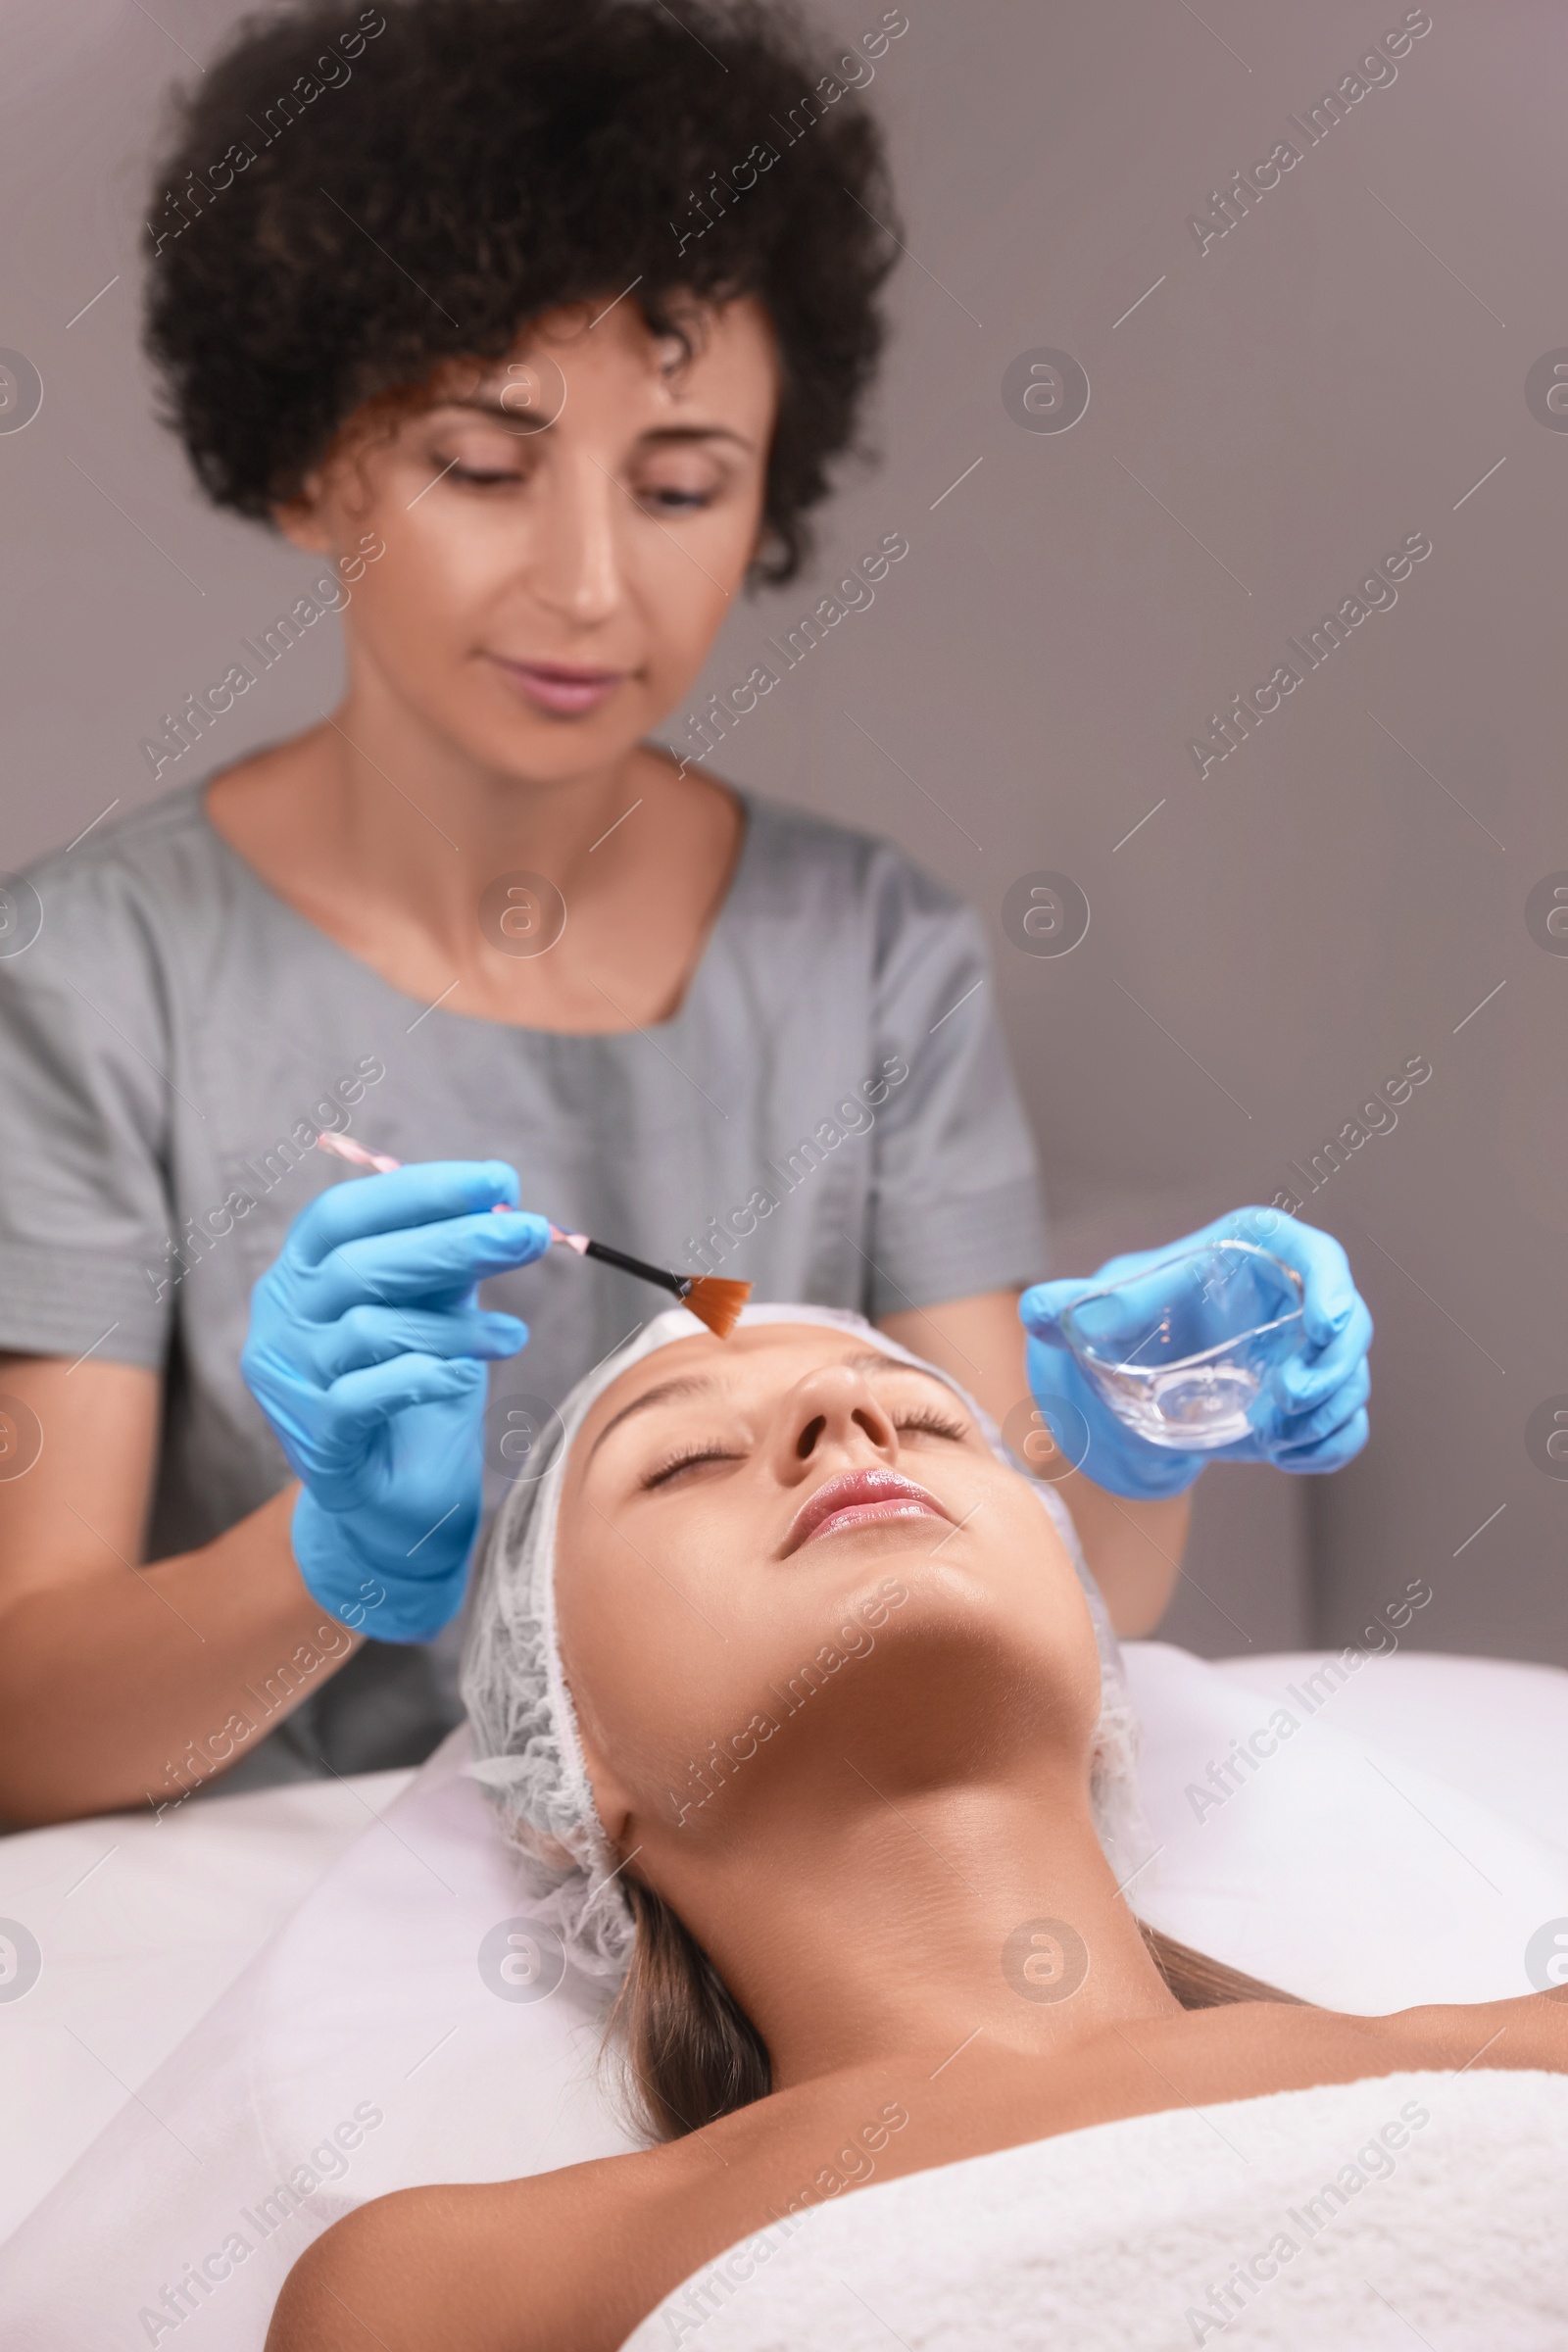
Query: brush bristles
718, 1302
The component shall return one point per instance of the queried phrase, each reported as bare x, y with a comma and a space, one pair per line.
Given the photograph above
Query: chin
1012, 1630
540, 750
905, 1598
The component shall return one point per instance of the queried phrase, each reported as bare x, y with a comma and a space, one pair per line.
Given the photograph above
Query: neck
872, 1929
426, 826
410, 851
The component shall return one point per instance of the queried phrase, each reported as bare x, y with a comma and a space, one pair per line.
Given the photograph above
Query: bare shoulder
1529, 2032
568, 2261
512, 2265
1250, 2049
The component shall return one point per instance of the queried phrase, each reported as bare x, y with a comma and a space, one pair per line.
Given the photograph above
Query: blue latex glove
1310, 1414
365, 1353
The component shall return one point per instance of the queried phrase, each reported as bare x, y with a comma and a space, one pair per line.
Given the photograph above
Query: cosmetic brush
711, 1299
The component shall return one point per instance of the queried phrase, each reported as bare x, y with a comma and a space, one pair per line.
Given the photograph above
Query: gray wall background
1267, 417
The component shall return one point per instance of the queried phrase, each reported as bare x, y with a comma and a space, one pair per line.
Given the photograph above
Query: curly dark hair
351, 199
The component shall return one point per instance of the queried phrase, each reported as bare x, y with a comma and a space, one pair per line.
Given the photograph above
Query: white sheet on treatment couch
142, 1924
1354, 1866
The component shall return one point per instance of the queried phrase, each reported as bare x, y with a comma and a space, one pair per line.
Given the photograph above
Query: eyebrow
694, 1383
873, 1359
672, 433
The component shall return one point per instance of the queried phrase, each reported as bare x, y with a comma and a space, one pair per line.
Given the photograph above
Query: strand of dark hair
693, 2051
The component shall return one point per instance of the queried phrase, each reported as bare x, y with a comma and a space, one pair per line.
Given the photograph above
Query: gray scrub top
829, 1115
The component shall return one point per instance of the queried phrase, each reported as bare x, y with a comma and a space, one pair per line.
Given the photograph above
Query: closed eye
483, 478
928, 1418
690, 1458
678, 502
687, 1459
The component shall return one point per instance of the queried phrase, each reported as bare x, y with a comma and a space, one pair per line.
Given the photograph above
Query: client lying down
805, 1695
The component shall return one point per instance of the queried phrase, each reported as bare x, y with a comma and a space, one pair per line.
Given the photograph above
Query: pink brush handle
344, 1148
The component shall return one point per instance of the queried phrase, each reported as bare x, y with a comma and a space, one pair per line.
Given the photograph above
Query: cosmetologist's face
586, 503
746, 1522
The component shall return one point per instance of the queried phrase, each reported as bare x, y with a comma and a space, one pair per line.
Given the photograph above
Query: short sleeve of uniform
84, 1217
957, 1206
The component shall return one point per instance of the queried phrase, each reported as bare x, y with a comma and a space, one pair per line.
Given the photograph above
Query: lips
560, 687
860, 1498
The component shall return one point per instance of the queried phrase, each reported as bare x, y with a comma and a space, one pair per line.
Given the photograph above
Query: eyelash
678, 502
683, 502
684, 1462
929, 1418
926, 1418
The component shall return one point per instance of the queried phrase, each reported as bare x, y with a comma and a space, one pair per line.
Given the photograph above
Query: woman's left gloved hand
1310, 1414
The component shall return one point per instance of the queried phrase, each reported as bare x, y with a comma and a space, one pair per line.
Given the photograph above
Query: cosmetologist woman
538, 324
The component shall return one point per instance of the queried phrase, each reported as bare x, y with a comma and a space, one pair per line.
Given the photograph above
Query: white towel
1418, 2208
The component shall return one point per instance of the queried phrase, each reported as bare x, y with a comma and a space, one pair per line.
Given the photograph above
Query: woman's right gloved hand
366, 1353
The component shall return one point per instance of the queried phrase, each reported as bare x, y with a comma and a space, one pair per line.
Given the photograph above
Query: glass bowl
1179, 1350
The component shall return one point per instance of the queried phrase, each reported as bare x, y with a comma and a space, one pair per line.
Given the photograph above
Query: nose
832, 1416
575, 572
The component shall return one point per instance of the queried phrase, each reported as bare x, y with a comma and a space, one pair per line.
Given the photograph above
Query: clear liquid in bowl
1191, 1403
1180, 1349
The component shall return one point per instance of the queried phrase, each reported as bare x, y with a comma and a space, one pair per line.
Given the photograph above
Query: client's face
783, 1545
